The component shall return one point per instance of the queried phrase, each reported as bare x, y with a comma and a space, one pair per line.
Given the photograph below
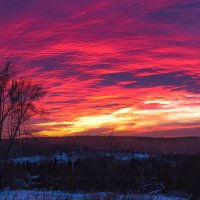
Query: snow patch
55, 195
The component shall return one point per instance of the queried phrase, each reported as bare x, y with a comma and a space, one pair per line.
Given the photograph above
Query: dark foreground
105, 167
107, 172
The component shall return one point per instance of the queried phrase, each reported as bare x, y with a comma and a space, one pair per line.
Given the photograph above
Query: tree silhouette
19, 99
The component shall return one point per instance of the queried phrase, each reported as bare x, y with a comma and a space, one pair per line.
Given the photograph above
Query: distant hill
110, 143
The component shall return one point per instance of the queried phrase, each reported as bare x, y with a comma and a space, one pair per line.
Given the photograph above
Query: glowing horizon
131, 67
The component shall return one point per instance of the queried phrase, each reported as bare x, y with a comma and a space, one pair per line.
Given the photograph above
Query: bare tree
23, 95
18, 104
5, 107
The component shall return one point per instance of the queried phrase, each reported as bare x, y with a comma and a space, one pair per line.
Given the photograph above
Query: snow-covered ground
65, 157
58, 195
31, 159
127, 156
60, 157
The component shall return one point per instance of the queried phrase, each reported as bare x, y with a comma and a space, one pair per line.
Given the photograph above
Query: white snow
65, 157
31, 159
127, 156
60, 157
58, 195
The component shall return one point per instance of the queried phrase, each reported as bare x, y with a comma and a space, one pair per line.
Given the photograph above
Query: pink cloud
70, 47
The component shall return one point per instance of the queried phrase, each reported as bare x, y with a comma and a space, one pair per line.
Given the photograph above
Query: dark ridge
110, 143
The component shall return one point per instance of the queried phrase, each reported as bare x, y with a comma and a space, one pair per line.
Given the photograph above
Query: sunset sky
126, 67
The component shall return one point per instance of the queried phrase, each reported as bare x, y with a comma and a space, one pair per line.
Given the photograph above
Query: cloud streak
97, 58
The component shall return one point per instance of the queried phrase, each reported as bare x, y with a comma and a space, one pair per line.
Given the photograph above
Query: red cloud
70, 47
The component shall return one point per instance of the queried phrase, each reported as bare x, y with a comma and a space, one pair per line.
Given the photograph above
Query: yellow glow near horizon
130, 118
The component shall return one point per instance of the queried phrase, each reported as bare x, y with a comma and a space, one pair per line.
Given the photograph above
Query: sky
120, 67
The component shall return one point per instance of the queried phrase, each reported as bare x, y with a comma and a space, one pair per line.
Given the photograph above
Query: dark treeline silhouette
129, 144
163, 173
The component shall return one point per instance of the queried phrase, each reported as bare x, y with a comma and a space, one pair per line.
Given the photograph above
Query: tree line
163, 174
